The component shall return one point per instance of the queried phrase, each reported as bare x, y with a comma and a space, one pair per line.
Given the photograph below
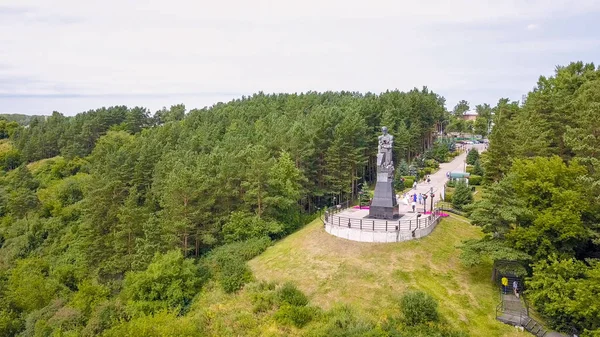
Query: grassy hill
371, 277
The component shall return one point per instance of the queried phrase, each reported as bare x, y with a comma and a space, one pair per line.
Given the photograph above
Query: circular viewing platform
353, 224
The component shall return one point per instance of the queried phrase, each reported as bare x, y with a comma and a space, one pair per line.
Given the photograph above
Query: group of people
515, 286
412, 199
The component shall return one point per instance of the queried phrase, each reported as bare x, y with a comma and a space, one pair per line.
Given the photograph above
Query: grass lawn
371, 277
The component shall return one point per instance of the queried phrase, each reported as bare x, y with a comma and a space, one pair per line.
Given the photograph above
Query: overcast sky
73, 55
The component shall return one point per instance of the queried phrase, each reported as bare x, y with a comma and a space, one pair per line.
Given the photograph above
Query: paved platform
354, 223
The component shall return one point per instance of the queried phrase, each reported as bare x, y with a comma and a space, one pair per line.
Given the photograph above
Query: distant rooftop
470, 113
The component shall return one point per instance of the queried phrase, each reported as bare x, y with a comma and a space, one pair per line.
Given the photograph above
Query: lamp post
360, 199
431, 195
424, 203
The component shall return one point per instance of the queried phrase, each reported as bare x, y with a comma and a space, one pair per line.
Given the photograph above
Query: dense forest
542, 204
115, 214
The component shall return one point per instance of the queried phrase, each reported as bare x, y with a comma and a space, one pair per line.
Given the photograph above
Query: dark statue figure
384, 204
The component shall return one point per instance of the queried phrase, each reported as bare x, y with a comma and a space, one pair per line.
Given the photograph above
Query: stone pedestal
384, 204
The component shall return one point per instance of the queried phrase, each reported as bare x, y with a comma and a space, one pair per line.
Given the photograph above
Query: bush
462, 195
245, 250
408, 181
424, 172
289, 294
233, 273
228, 262
160, 324
475, 180
432, 163
469, 169
399, 184
477, 169
263, 296
472, 156
418, 308
294, 315
243, 226
170, 281
343, 321
103, 317
448, 197
10, 323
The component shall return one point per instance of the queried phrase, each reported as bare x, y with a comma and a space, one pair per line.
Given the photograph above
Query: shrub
477, 169
294, 315
448, 197
469, 169
289, 294
233, 273
243, 226
228, 262
10, 323
343, 321
160, 324
418, 308
262, 296
29, 287
245, 250
432, 163
399, 184
170, 281
408, 181
403, 168
462, 195
475, 180
103, 317
472, 156
10, 160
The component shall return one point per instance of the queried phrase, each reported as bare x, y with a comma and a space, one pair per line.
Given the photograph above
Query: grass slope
371, 277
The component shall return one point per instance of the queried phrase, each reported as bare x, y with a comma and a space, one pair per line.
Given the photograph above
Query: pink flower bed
359, 207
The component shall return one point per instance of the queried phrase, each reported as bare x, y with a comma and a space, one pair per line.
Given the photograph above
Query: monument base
384, 204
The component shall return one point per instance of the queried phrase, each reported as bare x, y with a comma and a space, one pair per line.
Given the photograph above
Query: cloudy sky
72, 55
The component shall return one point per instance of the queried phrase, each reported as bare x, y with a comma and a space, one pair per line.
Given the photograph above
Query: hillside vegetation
116, 222
372, 277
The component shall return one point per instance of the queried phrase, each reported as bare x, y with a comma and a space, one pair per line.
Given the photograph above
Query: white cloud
178, 47
533, 26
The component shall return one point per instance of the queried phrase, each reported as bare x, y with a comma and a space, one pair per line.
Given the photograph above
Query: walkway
438, 179
512, 310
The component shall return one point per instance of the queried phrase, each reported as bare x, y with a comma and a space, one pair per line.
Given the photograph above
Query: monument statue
384, 204
384, 155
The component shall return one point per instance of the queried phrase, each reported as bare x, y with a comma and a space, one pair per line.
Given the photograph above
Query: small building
459, 176
470, 115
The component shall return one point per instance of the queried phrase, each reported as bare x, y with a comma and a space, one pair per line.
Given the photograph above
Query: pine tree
462, 195
472, 156
477, 169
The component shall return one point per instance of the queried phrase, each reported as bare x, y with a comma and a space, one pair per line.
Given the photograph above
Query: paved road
438, 179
